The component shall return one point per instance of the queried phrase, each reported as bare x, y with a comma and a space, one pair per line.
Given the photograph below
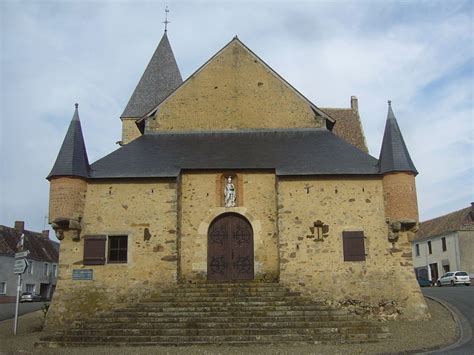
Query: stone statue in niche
229, 193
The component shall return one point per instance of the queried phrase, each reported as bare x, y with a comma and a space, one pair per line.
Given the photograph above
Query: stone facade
316, 266
240, 91
146, 212
167, 220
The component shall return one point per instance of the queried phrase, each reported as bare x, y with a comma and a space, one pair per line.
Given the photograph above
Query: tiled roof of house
451, 222
394, 154
160, 78
348, 126
288, 151
40, 247
72, 157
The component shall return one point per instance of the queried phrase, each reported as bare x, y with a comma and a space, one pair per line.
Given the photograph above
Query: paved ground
7, 310
406, 337
462, 298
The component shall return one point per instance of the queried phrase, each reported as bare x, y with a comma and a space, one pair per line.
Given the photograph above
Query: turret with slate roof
399, 173
161, 78
394, 154
72, 158
68, 179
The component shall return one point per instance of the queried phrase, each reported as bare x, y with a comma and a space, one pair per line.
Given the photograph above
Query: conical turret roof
160, 78
72, 158
394, 154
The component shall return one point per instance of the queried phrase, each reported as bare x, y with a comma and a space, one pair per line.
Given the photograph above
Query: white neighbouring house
42, 271
445, 244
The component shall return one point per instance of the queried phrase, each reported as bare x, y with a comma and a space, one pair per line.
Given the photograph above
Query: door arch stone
230, 250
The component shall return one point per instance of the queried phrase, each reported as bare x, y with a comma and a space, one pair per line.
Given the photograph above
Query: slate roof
289, 152
41, 248
160, 78
72, 157
394, 154
451, 222
348, 126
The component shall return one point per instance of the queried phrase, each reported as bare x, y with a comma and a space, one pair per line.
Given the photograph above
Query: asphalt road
462, 298
7, 310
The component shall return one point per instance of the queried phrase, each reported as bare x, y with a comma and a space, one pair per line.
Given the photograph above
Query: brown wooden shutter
354, 246
94, 249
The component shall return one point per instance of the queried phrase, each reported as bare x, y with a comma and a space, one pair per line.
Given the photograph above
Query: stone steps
240, 313
196, 331
268, 323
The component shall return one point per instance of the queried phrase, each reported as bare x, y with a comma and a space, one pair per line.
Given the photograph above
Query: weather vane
166, 22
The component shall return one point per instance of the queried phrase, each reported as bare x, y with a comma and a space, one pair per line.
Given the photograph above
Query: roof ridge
447, 214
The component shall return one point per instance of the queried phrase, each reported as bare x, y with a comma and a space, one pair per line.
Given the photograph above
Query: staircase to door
220, 313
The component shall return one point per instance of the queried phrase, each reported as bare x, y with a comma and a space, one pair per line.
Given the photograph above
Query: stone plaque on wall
82, 274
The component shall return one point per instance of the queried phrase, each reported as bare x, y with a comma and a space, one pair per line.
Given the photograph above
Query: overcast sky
419, 54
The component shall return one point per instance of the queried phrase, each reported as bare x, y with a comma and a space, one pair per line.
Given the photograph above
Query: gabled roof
309, 151
40, 247
160, 78
451, 222
348, 126
72, 157
394, 154
317, 111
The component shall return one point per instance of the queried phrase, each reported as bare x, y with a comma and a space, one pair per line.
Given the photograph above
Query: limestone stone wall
233, 91
317, 268
400, 196
66, 198
146, 212
201, 202
130, 130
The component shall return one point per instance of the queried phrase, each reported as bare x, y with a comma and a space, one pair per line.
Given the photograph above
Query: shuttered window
353, 246
94, 250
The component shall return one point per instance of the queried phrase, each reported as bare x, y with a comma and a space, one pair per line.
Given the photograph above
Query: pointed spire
161, 77
72, 158
394, 154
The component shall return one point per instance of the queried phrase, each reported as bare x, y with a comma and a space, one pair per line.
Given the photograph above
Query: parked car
454, 278
424, 282
30, 297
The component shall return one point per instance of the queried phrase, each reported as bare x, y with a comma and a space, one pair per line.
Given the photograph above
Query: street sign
20, 266
22, 254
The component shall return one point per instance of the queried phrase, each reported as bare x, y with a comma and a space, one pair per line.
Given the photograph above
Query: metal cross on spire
166, 22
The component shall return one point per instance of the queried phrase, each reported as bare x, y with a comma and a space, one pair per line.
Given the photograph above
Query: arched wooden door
230, 249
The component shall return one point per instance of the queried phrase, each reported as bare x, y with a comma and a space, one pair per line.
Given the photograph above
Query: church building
229, 176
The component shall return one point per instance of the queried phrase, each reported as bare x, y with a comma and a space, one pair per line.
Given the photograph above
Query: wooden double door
230, 249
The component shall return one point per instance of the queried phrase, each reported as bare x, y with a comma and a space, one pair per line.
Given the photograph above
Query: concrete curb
463, 328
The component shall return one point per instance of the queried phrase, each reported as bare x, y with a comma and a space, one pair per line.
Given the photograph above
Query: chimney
354, 104
20, 226
45, 234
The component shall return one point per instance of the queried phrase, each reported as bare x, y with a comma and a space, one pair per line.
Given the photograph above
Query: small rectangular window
94, 250
55, 270
118, 248
30, 288
46, 269
3, 288
443, 241
353, 246
430, 250
417, 249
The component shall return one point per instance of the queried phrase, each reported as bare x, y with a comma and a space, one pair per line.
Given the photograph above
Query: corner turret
68, 180
398, 174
